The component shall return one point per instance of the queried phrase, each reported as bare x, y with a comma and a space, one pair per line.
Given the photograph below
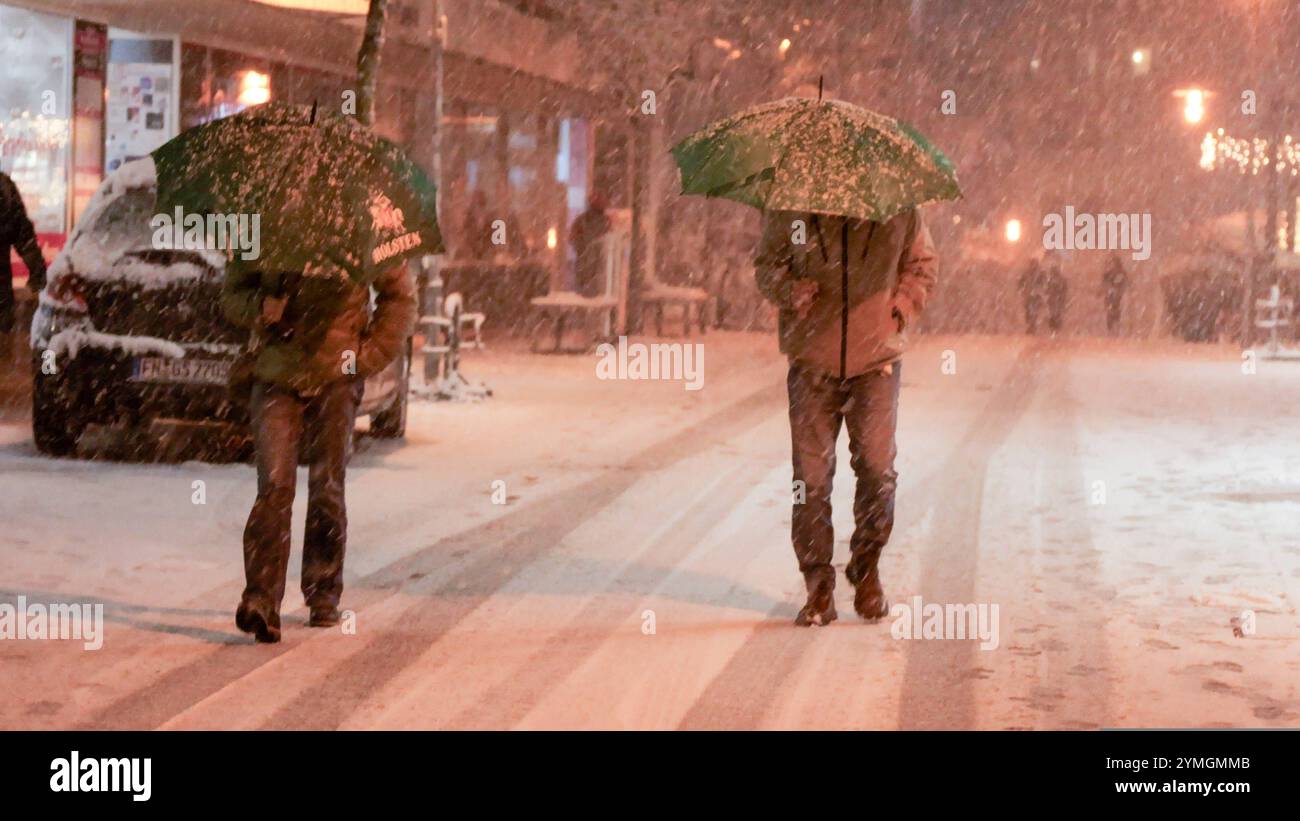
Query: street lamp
1141, 58
1013, 230
1194, 105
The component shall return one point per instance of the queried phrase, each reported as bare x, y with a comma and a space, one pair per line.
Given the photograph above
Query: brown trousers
868, 406
280, 420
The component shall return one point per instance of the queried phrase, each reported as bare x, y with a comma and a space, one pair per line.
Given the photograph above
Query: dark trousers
1031, 317
7, 302
1114, 306
868, 406
280, 419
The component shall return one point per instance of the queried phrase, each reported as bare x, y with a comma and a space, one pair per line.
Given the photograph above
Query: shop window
35, 109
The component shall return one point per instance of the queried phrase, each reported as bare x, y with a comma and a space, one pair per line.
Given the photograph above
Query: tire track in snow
937, 690
530, 534
1079, 674
499, 548
566, 650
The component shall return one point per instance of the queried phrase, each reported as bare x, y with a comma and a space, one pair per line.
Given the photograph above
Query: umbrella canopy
329, 194
824, 156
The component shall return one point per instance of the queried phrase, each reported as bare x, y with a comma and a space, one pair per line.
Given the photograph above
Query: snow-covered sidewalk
1121, 504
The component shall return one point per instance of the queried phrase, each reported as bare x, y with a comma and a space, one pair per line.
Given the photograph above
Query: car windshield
125, 220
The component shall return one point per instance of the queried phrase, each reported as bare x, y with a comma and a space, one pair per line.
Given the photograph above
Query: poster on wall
141, 88
91, 43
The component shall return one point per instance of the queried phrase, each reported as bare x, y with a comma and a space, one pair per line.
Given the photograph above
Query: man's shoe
251, 620
326, 616
869, 601
818, 611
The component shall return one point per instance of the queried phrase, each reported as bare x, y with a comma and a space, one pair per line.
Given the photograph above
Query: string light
1248, 156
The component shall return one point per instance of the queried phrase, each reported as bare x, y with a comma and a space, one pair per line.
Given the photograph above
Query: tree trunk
372, 43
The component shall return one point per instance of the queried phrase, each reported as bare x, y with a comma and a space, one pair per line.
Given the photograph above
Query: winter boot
869, 601
266, 629
326, 616
819, 610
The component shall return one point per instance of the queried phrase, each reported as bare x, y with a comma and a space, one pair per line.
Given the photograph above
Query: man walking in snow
315, 340
847, 290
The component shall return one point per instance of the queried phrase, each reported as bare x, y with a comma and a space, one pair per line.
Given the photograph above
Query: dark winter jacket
585, 235
868, 289
16, 232
1114, 281
332, 325
1033, 284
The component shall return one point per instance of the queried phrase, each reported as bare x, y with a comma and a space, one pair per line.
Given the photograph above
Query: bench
563, 307
693, 301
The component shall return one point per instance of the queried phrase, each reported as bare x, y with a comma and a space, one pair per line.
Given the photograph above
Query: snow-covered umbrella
823, 156
330, 194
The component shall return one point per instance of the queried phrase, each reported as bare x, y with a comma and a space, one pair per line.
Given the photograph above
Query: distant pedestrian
846, 297
585, 237
16, 233
1114, 282
476, 229
1033, 293
1058, 293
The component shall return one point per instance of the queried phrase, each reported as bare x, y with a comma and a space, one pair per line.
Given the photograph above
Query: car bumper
95, 372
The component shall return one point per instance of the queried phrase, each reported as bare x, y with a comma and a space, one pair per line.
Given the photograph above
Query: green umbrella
329, 194
824, 156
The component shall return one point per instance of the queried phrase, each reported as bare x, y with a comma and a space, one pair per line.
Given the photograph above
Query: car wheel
56, 425
390, 423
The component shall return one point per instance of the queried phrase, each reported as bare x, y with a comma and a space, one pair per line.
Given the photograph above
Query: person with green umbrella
316, 341
328, 301
846, 257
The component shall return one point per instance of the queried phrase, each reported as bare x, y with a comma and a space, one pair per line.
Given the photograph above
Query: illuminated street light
1193, 104
1013, 230
784, 47
1141, 61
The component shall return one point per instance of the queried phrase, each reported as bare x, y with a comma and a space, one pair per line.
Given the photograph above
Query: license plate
181, 371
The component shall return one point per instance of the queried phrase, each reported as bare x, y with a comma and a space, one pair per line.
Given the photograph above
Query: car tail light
68, 293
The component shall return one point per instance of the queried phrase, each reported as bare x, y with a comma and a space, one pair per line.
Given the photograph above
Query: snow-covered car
131, 335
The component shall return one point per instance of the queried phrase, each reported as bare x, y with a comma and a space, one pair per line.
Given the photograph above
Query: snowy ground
1120, 502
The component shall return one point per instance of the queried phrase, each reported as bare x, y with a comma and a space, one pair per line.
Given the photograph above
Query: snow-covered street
1122, 503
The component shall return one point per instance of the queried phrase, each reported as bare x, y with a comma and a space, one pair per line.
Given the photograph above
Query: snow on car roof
97, 254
